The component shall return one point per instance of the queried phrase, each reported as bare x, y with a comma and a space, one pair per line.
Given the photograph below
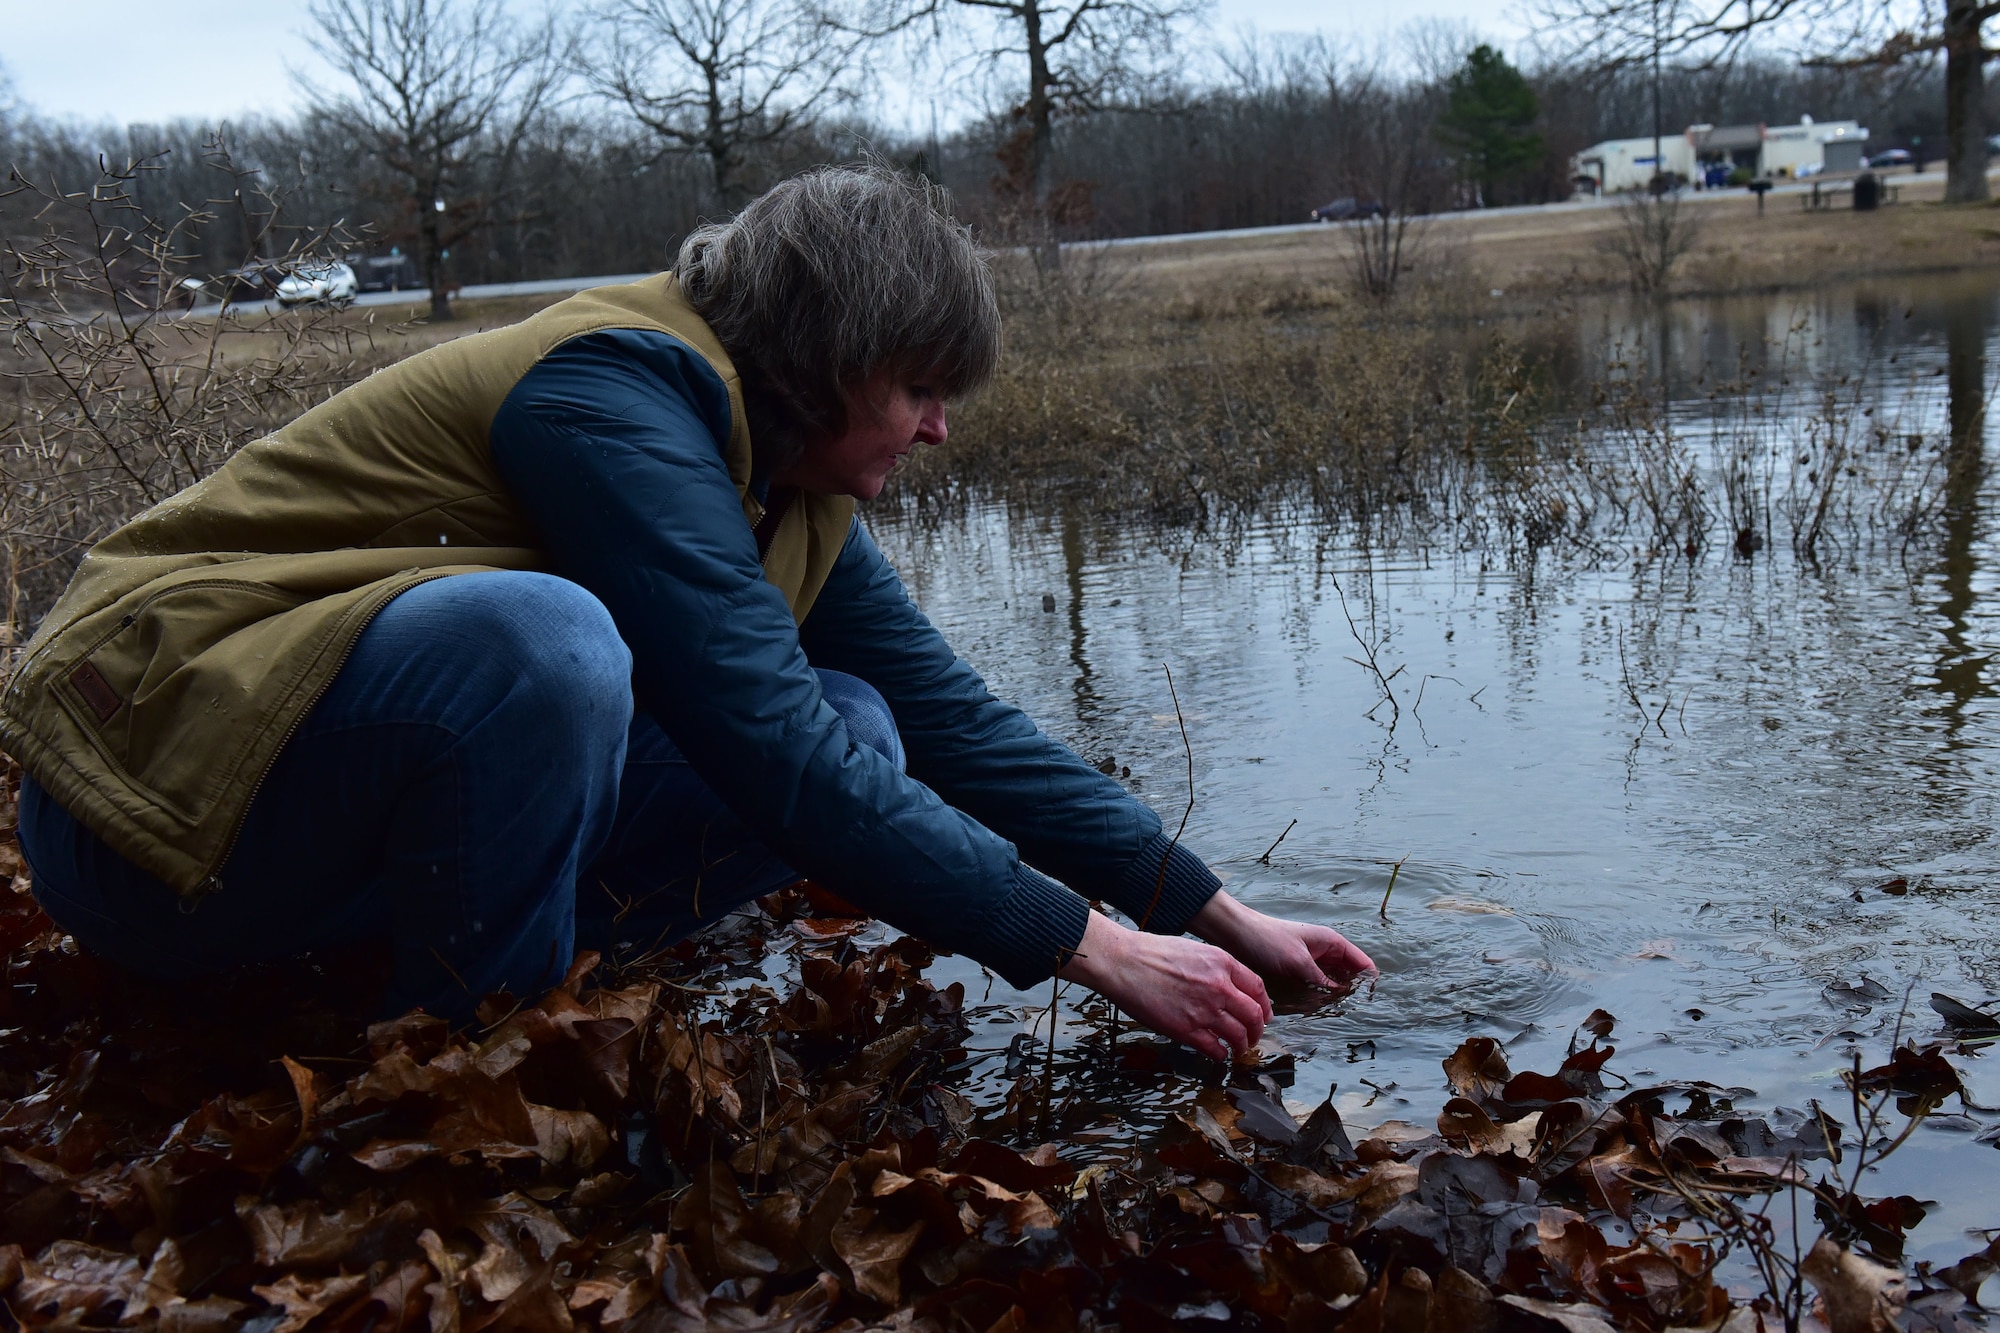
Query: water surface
1674, 788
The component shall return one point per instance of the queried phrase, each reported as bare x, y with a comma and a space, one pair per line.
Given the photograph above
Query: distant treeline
1285, 128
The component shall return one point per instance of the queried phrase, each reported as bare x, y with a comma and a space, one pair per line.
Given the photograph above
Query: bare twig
1394, 871
1160, 884
1265, 859
1372, 665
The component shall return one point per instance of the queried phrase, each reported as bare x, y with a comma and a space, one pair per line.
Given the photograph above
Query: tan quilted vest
194, 639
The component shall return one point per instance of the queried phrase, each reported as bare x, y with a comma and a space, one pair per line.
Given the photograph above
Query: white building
1617, 165
1807, 149
1781, 151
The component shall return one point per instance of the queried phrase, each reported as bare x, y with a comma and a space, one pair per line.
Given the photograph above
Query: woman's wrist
1222, 920
1096, 957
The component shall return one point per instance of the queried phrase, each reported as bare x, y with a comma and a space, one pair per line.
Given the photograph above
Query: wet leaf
1463, 1121
1040, 1169
1924, 1073
874, 1252
1264, 1117
301, 1234
717, 1224
303, 1300
1860, 1296
1877, 1224
1461, 1303
1477, 1070
1570, 1318
1963, 1019
1970, 1273
71, 1282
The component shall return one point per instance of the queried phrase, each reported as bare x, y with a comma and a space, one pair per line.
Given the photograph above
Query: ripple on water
1457, 954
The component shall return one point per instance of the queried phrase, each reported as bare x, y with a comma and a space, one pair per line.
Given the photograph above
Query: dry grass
1534, 255
1194, 412
1415, 424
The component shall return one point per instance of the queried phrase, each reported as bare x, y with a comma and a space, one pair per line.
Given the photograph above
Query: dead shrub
118, 391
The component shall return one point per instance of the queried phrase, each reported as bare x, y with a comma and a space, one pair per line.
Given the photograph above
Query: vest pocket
161, 692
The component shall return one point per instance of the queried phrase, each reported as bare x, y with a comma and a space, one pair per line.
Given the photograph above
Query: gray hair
832, 277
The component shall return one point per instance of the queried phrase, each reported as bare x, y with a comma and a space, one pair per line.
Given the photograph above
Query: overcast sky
134, 60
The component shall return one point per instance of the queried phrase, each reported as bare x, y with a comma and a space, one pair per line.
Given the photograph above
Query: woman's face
888, 418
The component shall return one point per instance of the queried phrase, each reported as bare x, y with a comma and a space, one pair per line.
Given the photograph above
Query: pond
1745, 804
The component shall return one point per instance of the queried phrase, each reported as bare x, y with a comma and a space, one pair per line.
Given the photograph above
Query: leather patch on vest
96, 691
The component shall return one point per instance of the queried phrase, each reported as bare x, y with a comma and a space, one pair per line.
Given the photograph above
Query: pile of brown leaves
684, 1147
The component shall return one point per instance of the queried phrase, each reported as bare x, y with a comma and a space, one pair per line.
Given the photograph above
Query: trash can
1867, 192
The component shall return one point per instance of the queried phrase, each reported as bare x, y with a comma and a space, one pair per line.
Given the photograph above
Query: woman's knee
865, 711
533, 638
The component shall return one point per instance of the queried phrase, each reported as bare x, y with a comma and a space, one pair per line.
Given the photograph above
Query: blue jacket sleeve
987, 758
612, 444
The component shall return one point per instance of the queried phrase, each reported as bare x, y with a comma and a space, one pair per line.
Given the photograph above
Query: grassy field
1548, 252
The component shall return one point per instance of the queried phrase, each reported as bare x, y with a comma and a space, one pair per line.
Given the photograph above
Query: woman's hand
1281, 950
1181, 988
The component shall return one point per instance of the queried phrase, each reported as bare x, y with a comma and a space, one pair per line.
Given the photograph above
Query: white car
319, 283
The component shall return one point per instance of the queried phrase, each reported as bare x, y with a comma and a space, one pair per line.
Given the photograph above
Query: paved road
477, 292
546, 286
1898, 179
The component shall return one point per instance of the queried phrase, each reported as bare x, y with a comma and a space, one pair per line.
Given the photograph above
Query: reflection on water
1675, 789
1961, 672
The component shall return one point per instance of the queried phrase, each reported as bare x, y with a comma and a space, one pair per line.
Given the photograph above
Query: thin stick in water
1049, 1063
1265, 859
1394, 871
1160, 884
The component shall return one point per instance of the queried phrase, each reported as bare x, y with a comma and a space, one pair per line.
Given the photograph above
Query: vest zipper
770, 517
211, 883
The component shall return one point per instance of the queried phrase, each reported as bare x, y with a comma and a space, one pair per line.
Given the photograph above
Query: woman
568, 631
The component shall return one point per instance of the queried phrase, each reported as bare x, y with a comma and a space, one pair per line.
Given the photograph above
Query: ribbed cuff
1184, 890
1034, 930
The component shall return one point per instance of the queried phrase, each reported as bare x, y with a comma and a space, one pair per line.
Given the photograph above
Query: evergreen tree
1489, 121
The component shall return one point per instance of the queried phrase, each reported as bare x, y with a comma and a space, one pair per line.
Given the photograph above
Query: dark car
1891, 157
1347, 209
393, 272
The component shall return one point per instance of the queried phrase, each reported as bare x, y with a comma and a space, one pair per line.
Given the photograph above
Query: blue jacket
613, 445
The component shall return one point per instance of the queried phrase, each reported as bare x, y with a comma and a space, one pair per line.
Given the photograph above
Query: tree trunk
1964, 104
433, 242
719, 143
1041, 138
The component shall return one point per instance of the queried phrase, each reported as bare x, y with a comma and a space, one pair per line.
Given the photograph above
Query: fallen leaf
305, 1299
1570, 1318
1861, 1296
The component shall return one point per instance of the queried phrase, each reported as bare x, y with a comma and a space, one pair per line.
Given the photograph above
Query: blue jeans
475, 788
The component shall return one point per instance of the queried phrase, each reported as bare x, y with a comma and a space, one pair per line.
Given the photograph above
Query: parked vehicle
1891, 157
319, 282
1347, 209
252, 282
393, 272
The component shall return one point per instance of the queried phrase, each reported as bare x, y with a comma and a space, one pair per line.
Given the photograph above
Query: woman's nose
931, 428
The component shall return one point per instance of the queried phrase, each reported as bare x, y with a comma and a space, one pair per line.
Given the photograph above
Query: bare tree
1853, 34
720, 78
1079, 56
443, 93
1654, 233
115, 397
1398, 175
